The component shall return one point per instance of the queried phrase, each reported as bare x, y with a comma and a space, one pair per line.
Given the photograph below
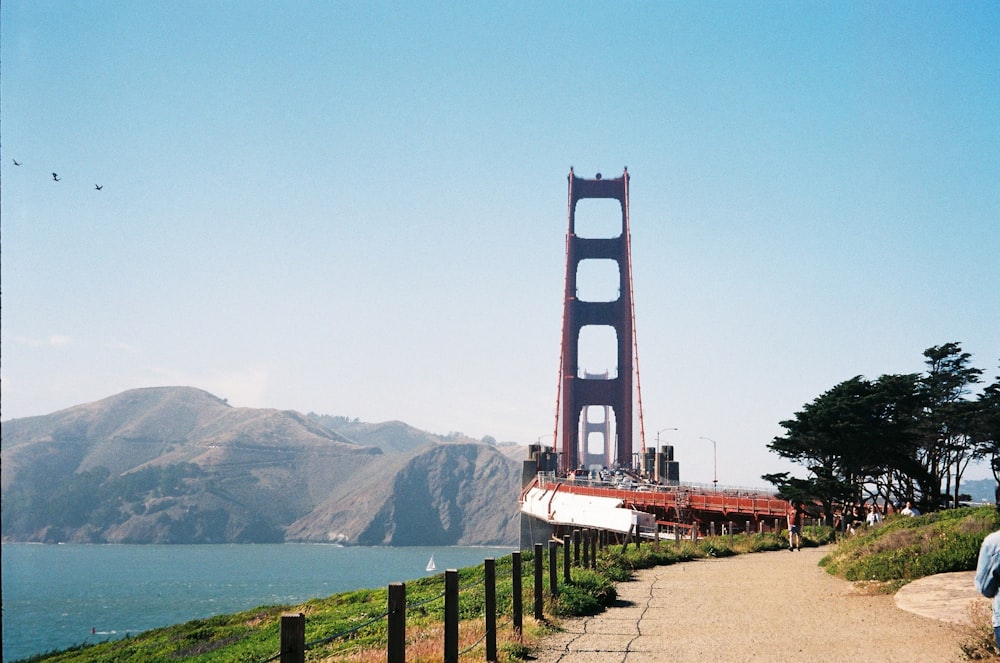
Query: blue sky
360, 208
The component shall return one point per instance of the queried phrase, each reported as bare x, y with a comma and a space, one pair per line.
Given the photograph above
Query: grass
900, 550
903, 549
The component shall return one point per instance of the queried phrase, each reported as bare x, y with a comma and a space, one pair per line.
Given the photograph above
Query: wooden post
711, 528
586, 549
517, 598
593, 549
656, 535
553, 569
396, 646
576, 547
489, 571
677, 535
451, 616
293, 637
566, 558
731, 534
628, 537
538, 582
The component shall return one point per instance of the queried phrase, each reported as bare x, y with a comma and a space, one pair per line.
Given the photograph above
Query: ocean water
57, 596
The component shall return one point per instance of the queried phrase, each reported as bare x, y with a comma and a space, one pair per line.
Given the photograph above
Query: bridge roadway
585, 503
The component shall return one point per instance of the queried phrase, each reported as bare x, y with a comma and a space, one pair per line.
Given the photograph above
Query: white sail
430, 565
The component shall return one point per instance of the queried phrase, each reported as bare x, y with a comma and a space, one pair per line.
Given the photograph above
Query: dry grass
978, 641
425, 644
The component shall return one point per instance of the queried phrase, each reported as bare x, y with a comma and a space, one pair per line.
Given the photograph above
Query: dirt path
777, 606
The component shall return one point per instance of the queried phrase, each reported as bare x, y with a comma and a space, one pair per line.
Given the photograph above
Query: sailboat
431, 566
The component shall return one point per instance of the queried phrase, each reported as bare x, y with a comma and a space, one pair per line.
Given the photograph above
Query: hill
179, 465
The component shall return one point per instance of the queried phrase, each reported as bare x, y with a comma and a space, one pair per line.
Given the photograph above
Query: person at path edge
988, 573
794, 526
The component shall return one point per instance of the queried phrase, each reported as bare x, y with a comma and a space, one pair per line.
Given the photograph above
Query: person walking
794, 525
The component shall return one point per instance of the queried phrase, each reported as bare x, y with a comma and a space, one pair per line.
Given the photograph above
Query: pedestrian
910, 510
874, 516
988, 577
794, 525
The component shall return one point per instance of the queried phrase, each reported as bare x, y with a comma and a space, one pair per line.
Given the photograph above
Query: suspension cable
635, 336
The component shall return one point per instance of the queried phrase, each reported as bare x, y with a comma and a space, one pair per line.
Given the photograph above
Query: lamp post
715, 461
658, 436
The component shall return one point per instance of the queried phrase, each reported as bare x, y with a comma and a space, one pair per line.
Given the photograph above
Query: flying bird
16, 162
98, 186
55, 177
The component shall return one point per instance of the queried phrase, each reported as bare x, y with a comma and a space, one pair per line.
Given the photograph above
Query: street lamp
658, 436
715, 461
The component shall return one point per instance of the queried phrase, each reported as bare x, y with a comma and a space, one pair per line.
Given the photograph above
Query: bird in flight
55, 177
98, 186
16, 162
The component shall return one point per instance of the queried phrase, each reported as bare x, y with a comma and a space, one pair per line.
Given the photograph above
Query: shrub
588, 593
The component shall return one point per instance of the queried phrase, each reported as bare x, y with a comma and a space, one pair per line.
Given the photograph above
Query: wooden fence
293, 645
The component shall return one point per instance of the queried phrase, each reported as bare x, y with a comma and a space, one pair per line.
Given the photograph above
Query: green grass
903, 549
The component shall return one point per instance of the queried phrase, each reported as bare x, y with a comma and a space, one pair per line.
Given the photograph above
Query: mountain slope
445, 495
177, 464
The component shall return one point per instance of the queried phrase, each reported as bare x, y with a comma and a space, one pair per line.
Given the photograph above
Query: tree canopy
893, 439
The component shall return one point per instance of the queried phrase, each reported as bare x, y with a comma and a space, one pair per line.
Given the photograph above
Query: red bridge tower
580, 390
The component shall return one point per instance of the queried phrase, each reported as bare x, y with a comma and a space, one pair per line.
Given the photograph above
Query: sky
360, 208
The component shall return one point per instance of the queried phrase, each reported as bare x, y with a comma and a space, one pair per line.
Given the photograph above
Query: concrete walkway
945, 596
777, 606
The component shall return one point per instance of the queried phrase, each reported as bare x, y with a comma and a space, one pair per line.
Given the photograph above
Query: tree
901, 437
986, 426
829, 437
946, 449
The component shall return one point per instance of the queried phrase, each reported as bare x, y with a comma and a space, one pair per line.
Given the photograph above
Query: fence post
293, 637
656, 535
489, 570
586, 550
576, 547
594, 540
516, 599
566, 558
396, 647
553, 569
538, 582
451, 616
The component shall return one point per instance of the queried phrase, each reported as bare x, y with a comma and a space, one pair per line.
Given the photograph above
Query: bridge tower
600, 427
580, 391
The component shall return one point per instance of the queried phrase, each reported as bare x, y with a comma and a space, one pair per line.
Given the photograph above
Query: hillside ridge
180, 465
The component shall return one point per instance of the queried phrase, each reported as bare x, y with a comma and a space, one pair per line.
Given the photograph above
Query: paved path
777, 606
